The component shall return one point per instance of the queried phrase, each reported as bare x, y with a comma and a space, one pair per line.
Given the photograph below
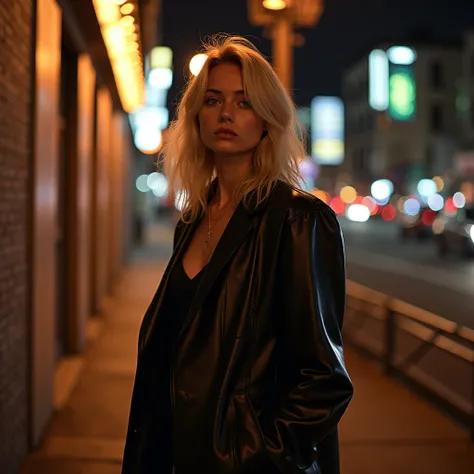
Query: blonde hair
186, 162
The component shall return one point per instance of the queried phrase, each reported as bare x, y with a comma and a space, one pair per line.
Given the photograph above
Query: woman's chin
226, 148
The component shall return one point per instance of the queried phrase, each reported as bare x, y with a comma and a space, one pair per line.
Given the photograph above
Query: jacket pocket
250, 449
266, 458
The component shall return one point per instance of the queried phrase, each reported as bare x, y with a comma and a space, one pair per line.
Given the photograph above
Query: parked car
456, 233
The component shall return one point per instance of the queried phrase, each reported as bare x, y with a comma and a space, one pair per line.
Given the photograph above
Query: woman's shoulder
301, 203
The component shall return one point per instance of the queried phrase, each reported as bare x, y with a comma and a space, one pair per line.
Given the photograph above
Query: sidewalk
386, 430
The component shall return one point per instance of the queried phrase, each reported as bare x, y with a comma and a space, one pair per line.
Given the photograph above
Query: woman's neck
229, 172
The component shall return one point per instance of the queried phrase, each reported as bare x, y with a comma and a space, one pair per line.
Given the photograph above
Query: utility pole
282, 17
282, 33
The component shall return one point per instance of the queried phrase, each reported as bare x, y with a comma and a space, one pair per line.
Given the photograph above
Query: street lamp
196, 63
274, 4
282, 16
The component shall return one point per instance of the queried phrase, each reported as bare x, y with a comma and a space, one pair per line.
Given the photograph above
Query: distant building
401, 119
466, 101
463, 160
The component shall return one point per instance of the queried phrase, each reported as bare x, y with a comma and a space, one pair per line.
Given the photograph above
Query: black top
179, 294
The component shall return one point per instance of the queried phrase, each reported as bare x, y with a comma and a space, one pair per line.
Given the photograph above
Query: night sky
347, 28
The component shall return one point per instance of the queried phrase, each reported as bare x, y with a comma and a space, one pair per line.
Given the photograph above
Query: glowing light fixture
148, 140
126, 9
127, 20
401, 55
129, 30
125, 57
160, 78
358, 213
196, 63
378, 80
274, 4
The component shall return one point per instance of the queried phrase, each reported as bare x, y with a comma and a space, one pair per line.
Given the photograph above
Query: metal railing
433, 355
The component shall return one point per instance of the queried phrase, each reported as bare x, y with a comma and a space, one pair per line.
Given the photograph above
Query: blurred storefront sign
149, 121
392, 85
161, 57
402, 93
327, 130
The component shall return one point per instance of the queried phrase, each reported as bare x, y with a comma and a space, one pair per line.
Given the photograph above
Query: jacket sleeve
315, 385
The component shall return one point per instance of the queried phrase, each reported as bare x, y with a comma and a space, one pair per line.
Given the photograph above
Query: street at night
176, 295
410, 270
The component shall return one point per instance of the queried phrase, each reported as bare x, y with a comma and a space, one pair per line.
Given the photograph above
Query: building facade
65, 154
381, 144
466, 101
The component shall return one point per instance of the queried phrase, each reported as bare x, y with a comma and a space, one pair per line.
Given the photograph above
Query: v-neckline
195, 276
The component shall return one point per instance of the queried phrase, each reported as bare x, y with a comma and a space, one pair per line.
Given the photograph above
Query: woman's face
228, 124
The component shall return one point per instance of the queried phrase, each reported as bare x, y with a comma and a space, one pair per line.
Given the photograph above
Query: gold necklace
210, 227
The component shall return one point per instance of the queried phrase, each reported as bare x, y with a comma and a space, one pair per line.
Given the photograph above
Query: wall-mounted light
123, 51
274, 4
126, 9
127, 20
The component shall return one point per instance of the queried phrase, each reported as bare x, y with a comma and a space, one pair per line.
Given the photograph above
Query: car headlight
470, 231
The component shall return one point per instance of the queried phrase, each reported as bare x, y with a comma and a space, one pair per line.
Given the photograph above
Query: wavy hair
187, 163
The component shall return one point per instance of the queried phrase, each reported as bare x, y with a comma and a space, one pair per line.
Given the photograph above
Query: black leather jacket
258, 377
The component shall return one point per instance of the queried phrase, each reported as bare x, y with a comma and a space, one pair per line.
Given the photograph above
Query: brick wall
15, 148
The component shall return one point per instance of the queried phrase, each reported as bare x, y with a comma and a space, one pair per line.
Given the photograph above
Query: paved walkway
386, 430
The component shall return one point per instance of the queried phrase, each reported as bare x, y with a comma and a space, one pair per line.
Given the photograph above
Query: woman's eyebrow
216, 91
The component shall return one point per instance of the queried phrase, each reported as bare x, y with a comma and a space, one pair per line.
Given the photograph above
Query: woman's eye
210, 101
245, 104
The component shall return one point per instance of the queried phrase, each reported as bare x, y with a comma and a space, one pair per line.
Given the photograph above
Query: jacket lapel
233, 235
156, 305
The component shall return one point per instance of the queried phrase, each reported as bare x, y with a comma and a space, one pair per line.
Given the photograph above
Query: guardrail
433, 355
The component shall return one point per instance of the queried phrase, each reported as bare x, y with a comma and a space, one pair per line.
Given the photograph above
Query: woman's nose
226, 113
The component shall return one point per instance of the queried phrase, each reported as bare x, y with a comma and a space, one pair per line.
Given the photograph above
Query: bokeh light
436, 202
426, 188
438, 180
459, 200
197, 63
142, 183
158, 184
370, 203
411, 207
428, 217
389, 213
348, 194
337, 205
381, 190
358, 213
449, 206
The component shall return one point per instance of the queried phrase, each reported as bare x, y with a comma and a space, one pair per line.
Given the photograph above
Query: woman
240, 366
